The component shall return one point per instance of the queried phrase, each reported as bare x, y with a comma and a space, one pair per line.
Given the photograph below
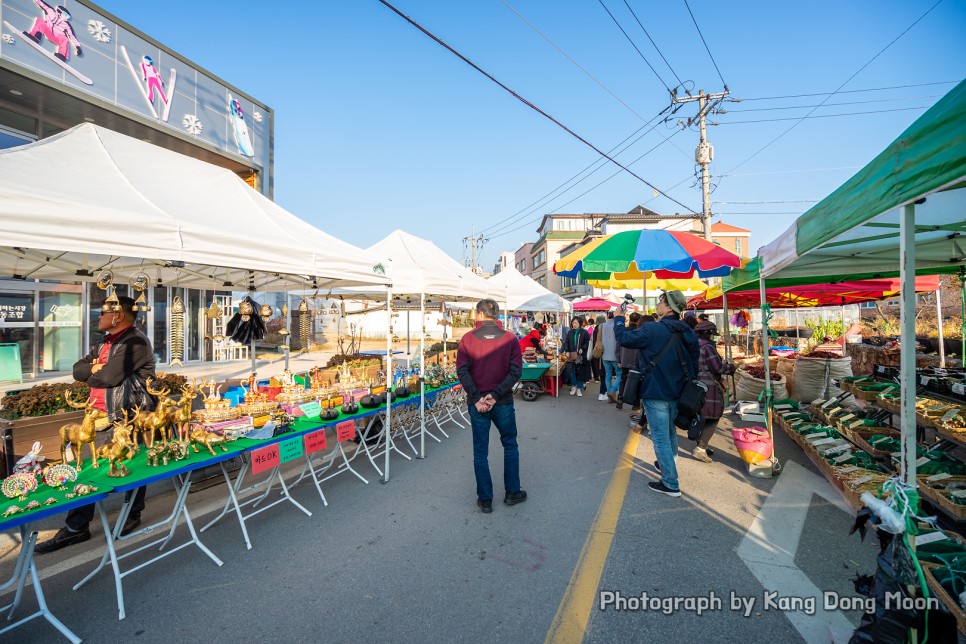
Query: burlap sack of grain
747, 387
813, 377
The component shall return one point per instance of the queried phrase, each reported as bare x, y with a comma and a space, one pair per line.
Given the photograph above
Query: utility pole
704, 153
473, 239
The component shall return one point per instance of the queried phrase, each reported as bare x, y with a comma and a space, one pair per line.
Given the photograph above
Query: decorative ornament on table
122, 447
73, 436
58, 476
12, 510
140, 283
246, 325
105, 282
19, 485
31, 463
81, 489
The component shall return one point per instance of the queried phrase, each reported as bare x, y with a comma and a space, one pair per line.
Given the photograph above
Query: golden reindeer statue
121, 448
180, 415
157, 420
74, 435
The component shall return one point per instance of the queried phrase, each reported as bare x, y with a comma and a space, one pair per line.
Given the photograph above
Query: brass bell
218, 337
245, 309
283, 331
265, 311
177, 306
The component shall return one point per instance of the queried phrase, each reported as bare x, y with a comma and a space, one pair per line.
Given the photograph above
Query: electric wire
758, 174
801, 107
838, 89
720, 203
634, 45
529, 103
568, 57
660, 53
708, 49
850, 91
822, 116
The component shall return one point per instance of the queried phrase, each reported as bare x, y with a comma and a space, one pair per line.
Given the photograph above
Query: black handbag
694, 392
631, 393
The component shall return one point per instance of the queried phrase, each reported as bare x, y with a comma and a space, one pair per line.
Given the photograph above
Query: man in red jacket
489, 363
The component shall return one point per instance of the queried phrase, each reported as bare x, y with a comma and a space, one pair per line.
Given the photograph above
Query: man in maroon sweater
489, 363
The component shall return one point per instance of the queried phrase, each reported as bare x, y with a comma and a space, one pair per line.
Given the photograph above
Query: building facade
522, 258
62, 67
557, 232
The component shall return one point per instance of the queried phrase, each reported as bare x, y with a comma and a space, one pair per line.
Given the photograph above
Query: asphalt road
414, 560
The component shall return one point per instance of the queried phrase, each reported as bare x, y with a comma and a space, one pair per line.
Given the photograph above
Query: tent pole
939, 323
962, 315
389, 383
907, 351
798, 335
287, 326
422, 375
764, 350
409, 351
726, 324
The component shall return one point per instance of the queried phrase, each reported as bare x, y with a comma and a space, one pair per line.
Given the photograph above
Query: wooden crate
951, 605
940, 500
861, 439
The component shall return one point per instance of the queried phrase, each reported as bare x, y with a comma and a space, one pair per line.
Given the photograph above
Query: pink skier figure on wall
150, 75
55, 25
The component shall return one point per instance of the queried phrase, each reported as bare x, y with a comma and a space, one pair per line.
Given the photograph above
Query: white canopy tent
90, 198
520, 293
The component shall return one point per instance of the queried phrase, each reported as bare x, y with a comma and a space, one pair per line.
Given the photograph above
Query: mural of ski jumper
242, 138
55, 26
150, 81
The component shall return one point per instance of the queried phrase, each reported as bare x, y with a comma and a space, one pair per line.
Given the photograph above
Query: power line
850, 91
530, 104
639, 52
678, 78
706, 45
730, 203
838, 89
787, 212
801, 107
757, 174
822, 116
589, 190
567, 56
550, 195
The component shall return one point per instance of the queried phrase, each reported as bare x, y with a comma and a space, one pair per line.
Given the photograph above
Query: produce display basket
951, 605
942, 501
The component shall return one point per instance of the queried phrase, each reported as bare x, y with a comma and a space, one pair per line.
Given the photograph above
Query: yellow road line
570, 622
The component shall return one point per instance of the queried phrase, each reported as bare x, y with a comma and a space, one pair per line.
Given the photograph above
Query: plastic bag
747, 387
813, 377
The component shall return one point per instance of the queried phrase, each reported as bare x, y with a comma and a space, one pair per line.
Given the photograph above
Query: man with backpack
668, 361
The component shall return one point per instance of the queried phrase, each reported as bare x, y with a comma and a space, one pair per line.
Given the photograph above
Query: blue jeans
572, 378
612, 376
664, 435
505, 420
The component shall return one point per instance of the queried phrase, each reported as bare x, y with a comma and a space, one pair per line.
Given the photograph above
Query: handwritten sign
265, 458
311, 409
842, 459
959, 388
289, 450
939, 477
345, 431
922, 540
315, 441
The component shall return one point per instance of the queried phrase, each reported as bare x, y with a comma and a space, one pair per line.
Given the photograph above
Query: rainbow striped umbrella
669, 254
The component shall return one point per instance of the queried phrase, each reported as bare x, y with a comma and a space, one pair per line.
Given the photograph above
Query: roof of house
719, 227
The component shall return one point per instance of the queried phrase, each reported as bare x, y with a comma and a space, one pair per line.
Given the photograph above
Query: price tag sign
859, 481
849, 469
825, 441
828, 403
315, 441
959, 388
929, 538
838, 449
842, 459
950, 414
922, 461
311, 409
783, 407
856, 423
264, 458
939, 477
959, 494
878, 439
291, 449
924, 380
345, 431
846, 417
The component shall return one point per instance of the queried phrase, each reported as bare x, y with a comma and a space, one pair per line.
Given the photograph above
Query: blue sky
378, 127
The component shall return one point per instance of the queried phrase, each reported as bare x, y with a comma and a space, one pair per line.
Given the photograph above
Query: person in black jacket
489, 363
574, 344
662, 383
116, 370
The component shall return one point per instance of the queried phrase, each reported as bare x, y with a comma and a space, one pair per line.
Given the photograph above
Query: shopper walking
664, 346
575, 343
710, 370
488, 363
626, 358
116, 370
612, 373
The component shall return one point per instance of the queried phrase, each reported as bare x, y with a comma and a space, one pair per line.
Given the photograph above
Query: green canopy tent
905, 211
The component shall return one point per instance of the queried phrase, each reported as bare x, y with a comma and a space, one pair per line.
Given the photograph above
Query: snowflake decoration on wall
99, 30
257, 116
7, 38
191, 124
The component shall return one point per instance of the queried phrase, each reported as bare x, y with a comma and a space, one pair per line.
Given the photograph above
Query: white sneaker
602, 397
573, 390
580, 393
701, 454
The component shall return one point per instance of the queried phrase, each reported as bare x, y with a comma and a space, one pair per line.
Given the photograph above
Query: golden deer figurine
121, 447
150, 422
74, 435
180, 415
199, 436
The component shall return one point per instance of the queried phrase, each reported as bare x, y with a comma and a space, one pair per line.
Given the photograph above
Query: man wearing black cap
115, 370
668, 358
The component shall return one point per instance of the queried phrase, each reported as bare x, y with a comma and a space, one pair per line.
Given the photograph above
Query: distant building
556, 232
731, 238
506, 260
522, 258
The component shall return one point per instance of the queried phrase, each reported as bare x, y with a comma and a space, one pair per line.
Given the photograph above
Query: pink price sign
345, 431
265, 458
315, 442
